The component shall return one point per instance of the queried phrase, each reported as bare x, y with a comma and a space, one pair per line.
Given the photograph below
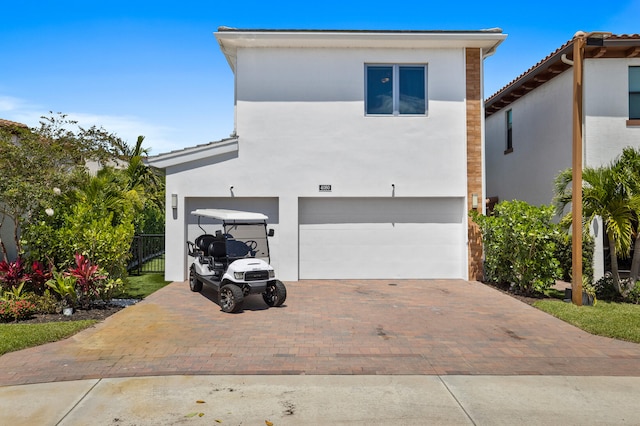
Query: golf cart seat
203, 242
217, 252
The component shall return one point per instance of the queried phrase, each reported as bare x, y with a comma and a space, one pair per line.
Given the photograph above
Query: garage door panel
384, 249
379, 210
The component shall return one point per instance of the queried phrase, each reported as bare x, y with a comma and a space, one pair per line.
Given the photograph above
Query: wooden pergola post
576, 160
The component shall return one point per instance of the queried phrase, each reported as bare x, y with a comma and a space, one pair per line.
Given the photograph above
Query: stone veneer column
473, 62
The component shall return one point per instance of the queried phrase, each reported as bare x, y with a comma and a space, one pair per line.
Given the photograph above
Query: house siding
541, 144
301, 123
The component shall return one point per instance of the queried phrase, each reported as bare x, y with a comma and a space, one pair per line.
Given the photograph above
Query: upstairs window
634, 93
396, 90
509, 127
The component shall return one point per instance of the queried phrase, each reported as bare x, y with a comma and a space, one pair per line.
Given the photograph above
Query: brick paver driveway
329, 327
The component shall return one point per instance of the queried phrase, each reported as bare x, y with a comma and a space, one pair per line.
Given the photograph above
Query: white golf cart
235, 259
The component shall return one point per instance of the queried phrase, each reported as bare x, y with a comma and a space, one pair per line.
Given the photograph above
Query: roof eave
230, 39
616, 46
187, 155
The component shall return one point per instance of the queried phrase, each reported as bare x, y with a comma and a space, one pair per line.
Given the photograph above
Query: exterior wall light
174, 201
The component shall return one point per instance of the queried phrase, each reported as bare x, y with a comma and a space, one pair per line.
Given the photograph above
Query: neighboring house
364, 148
7, 226
529, 122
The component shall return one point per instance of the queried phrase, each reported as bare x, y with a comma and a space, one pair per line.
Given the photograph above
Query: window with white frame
396, 89
634, 93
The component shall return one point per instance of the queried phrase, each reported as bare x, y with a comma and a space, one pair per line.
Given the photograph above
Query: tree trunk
614, 265
5, 255
16, 237
635, 262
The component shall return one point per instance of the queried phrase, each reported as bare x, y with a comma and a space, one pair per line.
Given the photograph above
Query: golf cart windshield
246, 240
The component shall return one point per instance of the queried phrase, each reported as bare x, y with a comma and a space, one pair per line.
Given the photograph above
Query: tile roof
614, 46
9, 123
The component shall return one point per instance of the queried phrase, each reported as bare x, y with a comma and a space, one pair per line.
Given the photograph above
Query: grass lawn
617, 320
14, 337
140, 286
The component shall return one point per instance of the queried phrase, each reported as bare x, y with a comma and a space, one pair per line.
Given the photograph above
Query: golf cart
235, 259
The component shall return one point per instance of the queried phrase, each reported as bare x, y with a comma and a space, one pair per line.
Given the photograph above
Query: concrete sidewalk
326, 400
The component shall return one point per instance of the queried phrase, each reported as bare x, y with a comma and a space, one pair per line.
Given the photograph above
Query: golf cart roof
222, 214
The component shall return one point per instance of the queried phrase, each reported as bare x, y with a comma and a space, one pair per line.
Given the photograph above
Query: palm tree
606, 192
629, 163
142, 178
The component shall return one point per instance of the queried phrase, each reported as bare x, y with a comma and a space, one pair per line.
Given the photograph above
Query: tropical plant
33, 161
65, 287
12, 274
564, 255
519, 246
629, 166
96, 220
16, 310
37, 277
88, 279
45, 303
608, 193
13, 305
13, 293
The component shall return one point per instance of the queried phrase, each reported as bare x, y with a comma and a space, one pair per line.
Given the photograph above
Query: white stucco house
529, 121
364, 148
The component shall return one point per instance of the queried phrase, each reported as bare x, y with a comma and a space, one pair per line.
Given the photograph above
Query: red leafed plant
88, 277
12, 274
37, 277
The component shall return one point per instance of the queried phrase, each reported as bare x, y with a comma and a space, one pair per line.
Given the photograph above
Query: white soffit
231, 40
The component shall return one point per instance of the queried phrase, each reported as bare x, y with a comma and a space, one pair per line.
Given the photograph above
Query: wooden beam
633, 52
576, 168
599, 52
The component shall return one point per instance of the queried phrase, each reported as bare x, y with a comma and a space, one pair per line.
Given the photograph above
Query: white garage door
382, 238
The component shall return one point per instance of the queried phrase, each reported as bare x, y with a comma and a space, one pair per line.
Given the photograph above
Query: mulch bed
98, 313
504, 288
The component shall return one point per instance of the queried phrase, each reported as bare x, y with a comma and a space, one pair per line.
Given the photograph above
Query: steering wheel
251, 244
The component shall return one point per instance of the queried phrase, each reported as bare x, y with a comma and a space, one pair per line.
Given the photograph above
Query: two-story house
529, 121
364, 148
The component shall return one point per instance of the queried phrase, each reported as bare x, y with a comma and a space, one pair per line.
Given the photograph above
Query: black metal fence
147, 254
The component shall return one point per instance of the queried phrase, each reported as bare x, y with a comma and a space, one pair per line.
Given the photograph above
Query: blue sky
155, 69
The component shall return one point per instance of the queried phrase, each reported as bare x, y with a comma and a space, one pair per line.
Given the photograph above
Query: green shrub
16, 310
519, 246
564, 256
82, 230
46, 303
634, 294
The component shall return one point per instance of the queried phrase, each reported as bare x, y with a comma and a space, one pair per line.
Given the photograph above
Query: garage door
382, 238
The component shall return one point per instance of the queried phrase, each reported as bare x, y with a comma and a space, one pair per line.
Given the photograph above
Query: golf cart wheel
276, 294
231, 298
194, 283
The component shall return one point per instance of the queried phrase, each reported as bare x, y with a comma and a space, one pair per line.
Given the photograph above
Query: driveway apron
370, 327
